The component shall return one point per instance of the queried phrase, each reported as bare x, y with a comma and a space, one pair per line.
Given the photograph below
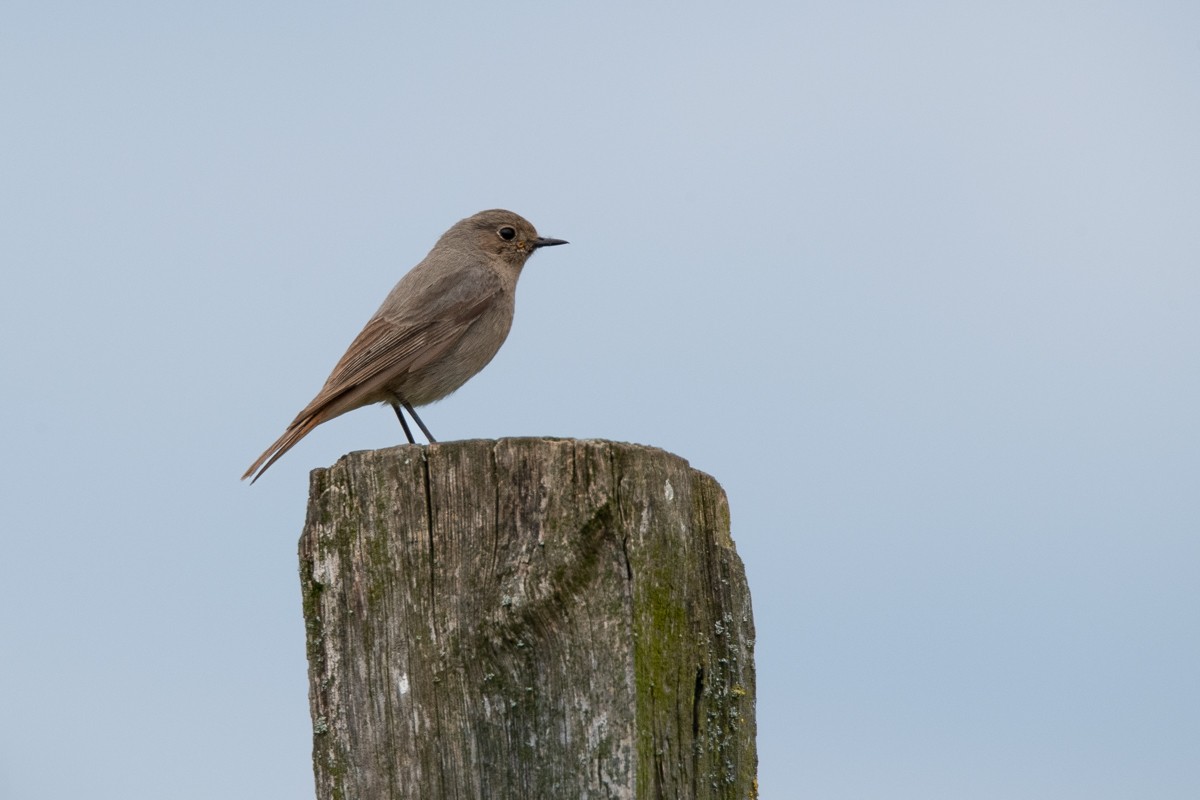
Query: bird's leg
420, 424
403, 424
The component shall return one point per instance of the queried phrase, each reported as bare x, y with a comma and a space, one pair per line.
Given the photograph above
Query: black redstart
440, 325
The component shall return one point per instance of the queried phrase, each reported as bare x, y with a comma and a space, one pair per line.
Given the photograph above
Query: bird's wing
426, 322
435, 319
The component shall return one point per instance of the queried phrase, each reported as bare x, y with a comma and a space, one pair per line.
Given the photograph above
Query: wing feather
426, 322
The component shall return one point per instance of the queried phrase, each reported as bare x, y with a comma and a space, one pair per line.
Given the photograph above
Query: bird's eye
507, 233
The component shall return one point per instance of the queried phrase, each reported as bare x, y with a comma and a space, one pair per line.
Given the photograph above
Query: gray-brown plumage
439, 325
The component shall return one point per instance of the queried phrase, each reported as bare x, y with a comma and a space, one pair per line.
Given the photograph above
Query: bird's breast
477, 345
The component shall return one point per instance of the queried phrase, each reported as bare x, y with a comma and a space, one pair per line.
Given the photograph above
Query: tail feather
331, 402
295, 432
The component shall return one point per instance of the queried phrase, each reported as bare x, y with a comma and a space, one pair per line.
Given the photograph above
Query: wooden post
526, 618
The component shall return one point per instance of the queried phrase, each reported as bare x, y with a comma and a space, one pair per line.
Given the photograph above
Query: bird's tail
295, 432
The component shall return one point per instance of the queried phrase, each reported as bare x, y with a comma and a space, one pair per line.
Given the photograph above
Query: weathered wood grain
526, 618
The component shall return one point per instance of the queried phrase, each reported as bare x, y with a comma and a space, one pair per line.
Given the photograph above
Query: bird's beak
542, 241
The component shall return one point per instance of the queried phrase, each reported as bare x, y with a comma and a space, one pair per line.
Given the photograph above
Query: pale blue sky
918, 283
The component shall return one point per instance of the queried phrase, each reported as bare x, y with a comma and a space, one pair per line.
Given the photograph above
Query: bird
439, 326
